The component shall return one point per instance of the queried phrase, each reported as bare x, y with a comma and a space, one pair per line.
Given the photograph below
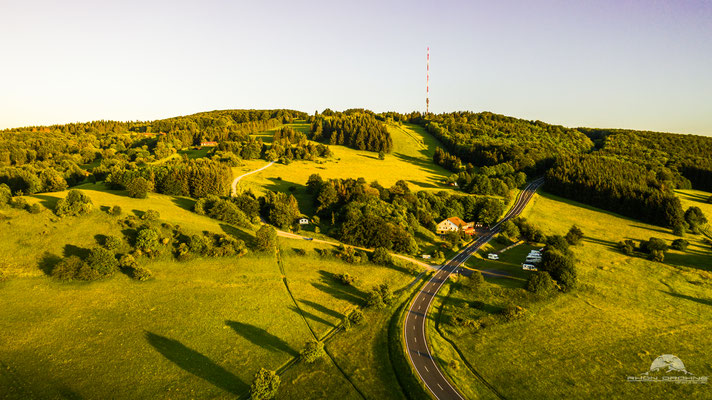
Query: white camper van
493, 256
529, 267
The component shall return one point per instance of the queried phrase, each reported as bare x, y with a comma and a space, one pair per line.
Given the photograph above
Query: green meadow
199, 329
626, 312
410, 160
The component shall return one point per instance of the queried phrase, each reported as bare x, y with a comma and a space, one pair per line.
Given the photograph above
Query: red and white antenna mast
427, 83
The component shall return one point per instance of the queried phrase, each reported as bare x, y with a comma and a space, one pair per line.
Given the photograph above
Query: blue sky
627, 64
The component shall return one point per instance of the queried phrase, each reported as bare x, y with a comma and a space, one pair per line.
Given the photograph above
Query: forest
52, 158
357, 129
617, 185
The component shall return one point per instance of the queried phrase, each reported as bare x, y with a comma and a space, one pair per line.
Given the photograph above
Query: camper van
493, 256
529, 267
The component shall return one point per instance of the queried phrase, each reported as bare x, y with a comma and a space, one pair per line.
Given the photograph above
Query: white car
529, 267
493, 256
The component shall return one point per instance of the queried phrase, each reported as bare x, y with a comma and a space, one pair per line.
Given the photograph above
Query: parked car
493, 256
529, 267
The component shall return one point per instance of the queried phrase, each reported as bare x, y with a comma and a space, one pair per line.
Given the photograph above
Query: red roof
457, 221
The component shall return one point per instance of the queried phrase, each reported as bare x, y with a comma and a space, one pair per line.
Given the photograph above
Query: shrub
653, 244
35, 208
558, 242
356, 317
151, 215
141, 273
561, 268
19, 202
265, 385
474, 282
678, 230
116, 211
511, 313
139, 187
74, 268
381, 256
147, 240
379, 296
541, 283
345, 279
313, 351
102, 260
199, 244
265, 238
657, 255
5, 194
74, 204
127, 262
345, 323
627, 247
574, 235
680, 244
112, 242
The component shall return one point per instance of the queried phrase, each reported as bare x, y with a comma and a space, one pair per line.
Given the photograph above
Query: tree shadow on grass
238, 233
184, 203
707, 302
310, 316
322, 309
72, 250
48, 202
330, 286
48, 262
196, 363
261, 337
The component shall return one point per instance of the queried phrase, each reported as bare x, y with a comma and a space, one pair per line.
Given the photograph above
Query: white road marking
441, 388
426, 368
416, 339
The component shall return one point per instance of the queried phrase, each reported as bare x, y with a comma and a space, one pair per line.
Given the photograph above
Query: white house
452, 224
303, 221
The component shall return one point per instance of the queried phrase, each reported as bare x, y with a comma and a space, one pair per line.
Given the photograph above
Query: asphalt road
414, 328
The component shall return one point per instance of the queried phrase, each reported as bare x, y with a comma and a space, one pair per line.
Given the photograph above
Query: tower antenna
427, 82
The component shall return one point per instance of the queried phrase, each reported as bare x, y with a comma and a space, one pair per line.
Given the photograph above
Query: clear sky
630, 64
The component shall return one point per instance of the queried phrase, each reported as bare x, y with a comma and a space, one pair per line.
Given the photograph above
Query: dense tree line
52, 158
446, 160
358, 130
487, 139
616, 185
495, 180
195, 178
685, 155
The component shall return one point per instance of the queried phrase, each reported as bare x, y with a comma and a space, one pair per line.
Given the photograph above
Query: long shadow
650, 228
707, 302
197, 364
72, 250
311, 316
693, 196
48, 261
261, 337
48, 202
608, 243
322, 309
183, 202
237, 233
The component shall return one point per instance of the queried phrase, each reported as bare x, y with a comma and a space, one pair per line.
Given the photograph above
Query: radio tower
427, 83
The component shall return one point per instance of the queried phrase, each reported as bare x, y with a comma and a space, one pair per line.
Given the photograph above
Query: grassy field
200, 329
626, 312
410, 160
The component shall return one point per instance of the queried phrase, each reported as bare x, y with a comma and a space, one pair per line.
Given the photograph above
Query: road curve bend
416, 318
236, 180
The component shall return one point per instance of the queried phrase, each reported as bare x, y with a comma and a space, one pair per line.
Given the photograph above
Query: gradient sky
627, 64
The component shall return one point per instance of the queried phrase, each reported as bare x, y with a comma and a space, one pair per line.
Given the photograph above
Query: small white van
529, 267
493, 256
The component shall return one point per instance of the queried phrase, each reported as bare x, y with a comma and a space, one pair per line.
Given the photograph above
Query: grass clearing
626, 312
200, 329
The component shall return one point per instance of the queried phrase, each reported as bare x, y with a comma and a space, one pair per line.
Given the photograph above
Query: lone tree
139, 187
265, 238
265, 385
574, 235
103, 261
313, 351
381, 256
76, 203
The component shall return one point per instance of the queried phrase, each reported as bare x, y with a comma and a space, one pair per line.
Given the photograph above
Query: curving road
416, 318
236, 180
